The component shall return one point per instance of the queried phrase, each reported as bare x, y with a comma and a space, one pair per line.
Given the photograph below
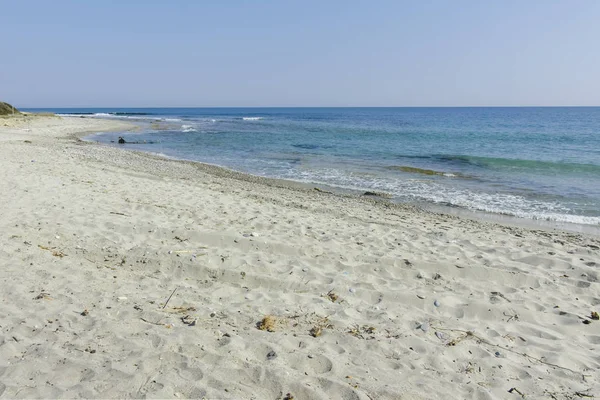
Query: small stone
189, 320
254, 234
424, 326
271, 355
352, 290
316, 331
440, 335
436, 303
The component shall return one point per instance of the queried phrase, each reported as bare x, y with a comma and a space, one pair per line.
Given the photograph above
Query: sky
227, 53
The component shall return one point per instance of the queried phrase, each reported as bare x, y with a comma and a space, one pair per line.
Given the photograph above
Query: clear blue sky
299, 53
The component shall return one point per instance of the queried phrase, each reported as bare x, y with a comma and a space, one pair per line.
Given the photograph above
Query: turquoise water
537, 163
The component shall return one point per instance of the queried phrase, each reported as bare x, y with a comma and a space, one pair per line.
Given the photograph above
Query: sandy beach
125, 275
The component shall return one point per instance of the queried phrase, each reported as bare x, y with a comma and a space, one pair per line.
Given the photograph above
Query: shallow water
537, 163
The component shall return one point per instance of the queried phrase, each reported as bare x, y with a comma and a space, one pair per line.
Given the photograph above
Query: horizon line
511, 106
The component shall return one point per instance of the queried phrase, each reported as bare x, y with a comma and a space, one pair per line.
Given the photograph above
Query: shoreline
421, 206
131, 275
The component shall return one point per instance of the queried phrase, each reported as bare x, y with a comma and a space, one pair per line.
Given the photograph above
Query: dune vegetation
7, 109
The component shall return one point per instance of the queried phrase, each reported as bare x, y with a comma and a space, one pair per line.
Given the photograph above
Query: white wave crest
188, 128
251, 118
495, 203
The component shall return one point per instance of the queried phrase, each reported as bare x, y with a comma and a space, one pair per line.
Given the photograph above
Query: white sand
85, 227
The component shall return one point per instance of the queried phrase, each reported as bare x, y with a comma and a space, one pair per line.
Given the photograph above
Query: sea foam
188, 128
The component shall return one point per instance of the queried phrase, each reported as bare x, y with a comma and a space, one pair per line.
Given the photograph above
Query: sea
525, 162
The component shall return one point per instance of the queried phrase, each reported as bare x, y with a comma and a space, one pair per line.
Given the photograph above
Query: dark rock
377, 194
